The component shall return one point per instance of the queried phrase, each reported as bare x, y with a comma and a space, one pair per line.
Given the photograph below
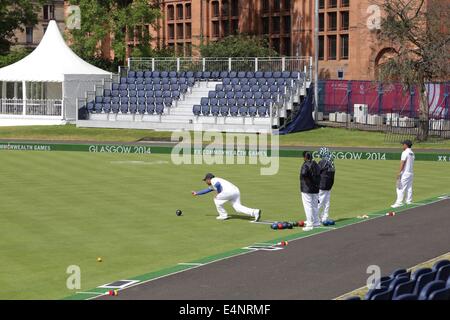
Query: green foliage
14, 16
238, 46
13, 56
113, 18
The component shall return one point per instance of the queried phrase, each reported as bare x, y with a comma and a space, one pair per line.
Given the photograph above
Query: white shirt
408, 156
221, 185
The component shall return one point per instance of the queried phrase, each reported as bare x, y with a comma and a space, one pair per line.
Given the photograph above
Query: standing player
309, 187
327, 172
226, 191
405, 175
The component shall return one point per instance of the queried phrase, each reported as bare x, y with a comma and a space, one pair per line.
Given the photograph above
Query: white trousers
404, 186
311, 206
324, 204
234, 196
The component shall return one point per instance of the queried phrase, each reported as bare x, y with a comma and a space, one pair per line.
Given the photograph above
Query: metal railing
303, 64
33, 107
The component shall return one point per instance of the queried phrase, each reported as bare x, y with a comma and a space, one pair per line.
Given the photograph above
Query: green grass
68, 208
333, 137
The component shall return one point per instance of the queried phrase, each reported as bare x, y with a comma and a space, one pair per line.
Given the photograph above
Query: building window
321, 22
171, 30
170, 13
179, 11
234, 8
265, 25
287, 46
345, 20
188, 10
344, 46
276, 44
226, 28
321, 4
49, 12
180, 31
287, 24
345, 3
215, 7
332, 3
275, 24
235, 26
331, 47
276, 5
225, 8
287, 4
321, 48
332, 21
265, 6
188, 31
215, 29
29, 33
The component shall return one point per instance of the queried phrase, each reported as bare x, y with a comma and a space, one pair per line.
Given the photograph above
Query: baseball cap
407, 142
208, 176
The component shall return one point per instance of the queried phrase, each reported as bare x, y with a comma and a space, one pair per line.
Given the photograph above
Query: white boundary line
251, 251
190, 264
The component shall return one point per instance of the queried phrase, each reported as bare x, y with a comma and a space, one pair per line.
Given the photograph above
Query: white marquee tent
45, 85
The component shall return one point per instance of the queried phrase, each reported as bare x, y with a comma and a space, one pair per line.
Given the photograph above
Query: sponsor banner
444, 156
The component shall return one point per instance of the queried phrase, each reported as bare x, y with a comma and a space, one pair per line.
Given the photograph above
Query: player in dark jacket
309, 188
327, 172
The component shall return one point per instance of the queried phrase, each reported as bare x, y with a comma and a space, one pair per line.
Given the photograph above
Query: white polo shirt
408, 156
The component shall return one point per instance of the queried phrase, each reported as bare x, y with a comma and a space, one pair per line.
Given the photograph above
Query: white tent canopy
47, 82
49, 62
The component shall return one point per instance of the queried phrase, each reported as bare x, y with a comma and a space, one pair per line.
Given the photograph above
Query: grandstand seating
423, 284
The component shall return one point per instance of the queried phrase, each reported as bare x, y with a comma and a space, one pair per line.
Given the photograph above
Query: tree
14, 15
117, 20
418, 32
13, 56
238, 46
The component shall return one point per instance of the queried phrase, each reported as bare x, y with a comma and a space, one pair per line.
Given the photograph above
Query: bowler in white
405, 176
226, 191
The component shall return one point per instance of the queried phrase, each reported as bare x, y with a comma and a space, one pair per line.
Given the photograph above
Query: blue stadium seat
443, 273
419, 272
191, 81
139, 74
106, 100
98, 99
183, 88
252, 111
252, 81
354, 298
243, 81
257, 95
123, 86
397, 272
228, 88
124, 108
182, 80
239, 95
250, 102
133, 108
131, 74
164, 74
157, 87
139, 80
223, 102
276, 74
123, 93
215, 110
206, 110
212, 94
220, 94
234, 81
404, 288
232, 74
142, 100
206, 75
234, 110
132, 100
158, 94
430, 288
213, 102
149, 87
168, 101
262, 111
443, 294
262, 81
189, 74
215, 75
245, 88
123, 80
150, 100
237, 87
229, 95
124, 100
295, 75
254, 88
98, 107
131, 80
197, 110
240, 102
226, 81
165, 81
224, 111
248, 95
173, 80
166, 87
224, 74
150, 108
286, 74
141, 108
115, 86
374, 291
132, 93
140, 86
159, 109
181, 74
172, 74
243, 111
439, 264
268, 74
115, 99
273, 88
271, 81
423, 280
405, 297
115, 107
259, 75
250, 74
141, 93
147, 74
231, 102
107, 92
385, 295
176, 94
198, 75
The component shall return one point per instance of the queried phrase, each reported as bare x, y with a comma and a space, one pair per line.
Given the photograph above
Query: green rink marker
97, 292
442, 156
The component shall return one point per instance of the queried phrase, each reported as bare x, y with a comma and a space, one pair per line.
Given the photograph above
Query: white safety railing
302, 64
33, 107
